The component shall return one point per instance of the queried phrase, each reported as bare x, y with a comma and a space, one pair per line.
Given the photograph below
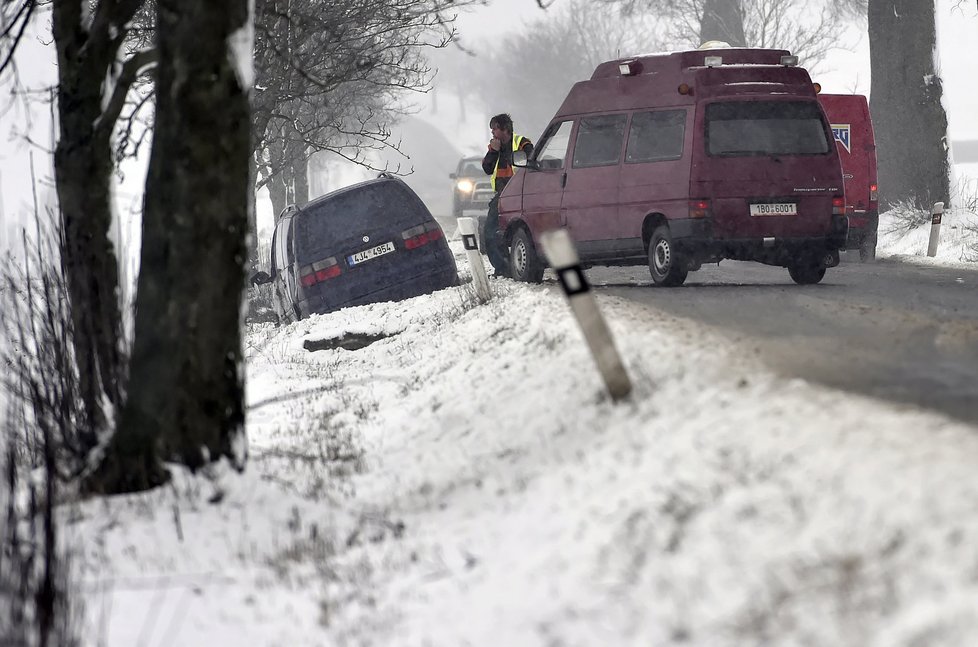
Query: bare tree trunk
278, 194
186, 378
83, 173
298, 172
723, 20
910, 122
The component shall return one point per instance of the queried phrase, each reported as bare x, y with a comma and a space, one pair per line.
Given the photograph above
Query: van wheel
666, 264
524, 263
806, 272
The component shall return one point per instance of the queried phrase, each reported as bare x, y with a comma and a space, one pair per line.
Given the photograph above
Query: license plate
774, 209
367, 254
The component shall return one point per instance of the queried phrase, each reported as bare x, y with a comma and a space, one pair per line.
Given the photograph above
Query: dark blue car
370, 242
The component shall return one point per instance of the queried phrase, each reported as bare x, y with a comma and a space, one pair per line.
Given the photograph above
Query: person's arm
527, 147
489, 161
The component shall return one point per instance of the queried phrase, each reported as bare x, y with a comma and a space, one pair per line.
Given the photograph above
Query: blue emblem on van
841, 134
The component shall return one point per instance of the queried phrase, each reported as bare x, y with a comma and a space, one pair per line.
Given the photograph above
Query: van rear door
768, 168
853, 131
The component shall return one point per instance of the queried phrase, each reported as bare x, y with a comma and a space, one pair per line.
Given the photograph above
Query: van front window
739, 128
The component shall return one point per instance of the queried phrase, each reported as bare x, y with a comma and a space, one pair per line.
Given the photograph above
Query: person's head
502, 127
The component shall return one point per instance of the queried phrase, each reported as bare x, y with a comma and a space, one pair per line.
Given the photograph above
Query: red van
681, 159
853, 130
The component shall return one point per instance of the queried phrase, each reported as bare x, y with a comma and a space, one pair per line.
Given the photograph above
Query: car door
589, 205
283, 268
543, 180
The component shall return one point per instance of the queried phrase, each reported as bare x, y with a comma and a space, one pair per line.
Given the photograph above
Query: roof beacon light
712, 61
789, 61
628, 68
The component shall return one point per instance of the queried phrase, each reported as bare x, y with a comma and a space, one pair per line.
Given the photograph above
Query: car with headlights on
471, 191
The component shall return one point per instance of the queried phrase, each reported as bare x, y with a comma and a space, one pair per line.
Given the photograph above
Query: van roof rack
675, 62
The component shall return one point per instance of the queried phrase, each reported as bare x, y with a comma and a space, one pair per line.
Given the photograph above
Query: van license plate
367, 254
774, 209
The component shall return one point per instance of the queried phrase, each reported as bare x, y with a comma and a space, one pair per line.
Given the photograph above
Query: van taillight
838, 206
319, 271
874, 193
699, 208
421, 235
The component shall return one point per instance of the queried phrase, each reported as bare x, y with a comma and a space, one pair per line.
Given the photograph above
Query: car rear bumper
411, 287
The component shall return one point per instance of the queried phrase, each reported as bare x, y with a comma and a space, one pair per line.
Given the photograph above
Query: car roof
359, 186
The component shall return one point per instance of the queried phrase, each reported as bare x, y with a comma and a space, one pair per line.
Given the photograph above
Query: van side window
656, 136
552, 151
599, 140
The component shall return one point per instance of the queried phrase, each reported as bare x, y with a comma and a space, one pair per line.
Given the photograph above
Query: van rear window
739, 128
387, 205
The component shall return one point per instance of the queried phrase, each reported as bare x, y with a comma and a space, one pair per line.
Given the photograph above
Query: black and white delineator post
467, 227
935, 228
560, 251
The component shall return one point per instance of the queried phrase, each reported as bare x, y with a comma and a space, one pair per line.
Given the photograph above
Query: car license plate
774, 209
367, 254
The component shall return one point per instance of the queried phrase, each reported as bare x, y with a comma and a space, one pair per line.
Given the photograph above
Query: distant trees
905, 100
807, 29
528, 73
330, 77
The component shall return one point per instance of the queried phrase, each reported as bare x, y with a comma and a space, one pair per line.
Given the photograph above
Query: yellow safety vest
517, 140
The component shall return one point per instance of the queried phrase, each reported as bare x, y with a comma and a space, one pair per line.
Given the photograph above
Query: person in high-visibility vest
498, 163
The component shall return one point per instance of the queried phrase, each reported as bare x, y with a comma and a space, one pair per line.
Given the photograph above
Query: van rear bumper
696, 238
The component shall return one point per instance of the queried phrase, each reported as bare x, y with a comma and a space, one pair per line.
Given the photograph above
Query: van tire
806, 273
524, 262
666, 264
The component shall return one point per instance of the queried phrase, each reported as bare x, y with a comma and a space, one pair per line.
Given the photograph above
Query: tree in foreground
186, 393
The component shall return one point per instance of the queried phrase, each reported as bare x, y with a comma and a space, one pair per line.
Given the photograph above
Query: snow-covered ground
465, 481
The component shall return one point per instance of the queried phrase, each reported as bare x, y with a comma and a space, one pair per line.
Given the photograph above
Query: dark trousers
498, 257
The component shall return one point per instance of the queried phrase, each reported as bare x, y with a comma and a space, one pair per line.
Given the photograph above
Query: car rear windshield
388, 206
765, 128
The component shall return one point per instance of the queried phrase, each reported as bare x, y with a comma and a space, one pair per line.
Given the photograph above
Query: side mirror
520, 160
452, 176
260, 278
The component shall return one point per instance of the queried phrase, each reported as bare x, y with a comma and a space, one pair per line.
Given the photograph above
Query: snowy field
463, 480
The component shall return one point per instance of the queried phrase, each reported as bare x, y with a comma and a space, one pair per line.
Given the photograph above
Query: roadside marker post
562, 255
935, 228
467, 228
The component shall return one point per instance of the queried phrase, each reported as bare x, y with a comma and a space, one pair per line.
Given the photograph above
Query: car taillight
421, 235
319, 271
874, 193
838, 206
699, 208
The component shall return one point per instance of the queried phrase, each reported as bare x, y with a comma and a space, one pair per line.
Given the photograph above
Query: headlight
465, 186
